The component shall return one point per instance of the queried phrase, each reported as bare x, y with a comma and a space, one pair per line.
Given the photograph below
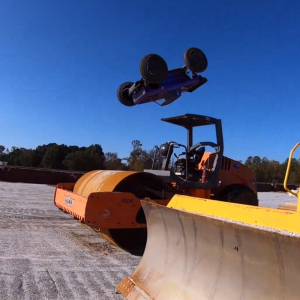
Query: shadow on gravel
101, 247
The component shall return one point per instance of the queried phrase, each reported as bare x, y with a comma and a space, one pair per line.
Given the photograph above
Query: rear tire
123, 95
239, 194
153, 68
195, 60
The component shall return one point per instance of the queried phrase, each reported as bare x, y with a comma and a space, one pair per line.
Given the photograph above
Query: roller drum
131, 240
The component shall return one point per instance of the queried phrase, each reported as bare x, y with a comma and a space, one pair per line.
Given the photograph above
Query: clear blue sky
61, 63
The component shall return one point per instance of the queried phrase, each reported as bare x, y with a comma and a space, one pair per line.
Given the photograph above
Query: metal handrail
288, 171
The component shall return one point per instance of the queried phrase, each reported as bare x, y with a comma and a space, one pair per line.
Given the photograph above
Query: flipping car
163, 86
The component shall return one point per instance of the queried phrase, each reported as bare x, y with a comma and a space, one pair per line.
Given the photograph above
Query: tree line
54, 156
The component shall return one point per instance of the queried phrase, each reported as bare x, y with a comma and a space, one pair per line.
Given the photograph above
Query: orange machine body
102, 210
109, 201
96, 200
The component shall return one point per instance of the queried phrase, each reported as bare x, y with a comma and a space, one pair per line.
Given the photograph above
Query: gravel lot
46, 254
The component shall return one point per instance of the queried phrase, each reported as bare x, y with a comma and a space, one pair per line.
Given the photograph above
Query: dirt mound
36, 175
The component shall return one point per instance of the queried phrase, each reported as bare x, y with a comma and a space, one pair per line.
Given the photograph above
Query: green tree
294, 174
13, 157
2, 153
92, 158
2, 148
140, 159
248, 161
25, 158
113, 162
39, 154
54, 157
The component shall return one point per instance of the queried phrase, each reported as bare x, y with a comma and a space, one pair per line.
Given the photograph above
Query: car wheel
123, 95
153, 68
195, 60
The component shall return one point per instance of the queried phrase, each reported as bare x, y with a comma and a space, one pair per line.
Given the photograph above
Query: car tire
123, 95
195, 60
153, 68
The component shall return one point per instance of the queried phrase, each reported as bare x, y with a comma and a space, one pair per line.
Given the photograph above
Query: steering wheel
203, 144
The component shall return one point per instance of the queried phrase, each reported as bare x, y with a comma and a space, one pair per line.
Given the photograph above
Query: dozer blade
210, 250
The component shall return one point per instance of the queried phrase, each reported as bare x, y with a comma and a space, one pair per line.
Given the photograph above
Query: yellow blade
195, 256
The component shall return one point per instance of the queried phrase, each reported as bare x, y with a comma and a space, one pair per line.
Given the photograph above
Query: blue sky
61, 63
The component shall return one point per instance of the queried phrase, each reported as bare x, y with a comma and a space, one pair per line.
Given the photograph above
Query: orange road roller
108, 202
218, 251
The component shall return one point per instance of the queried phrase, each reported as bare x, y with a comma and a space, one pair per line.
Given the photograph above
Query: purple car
163, 86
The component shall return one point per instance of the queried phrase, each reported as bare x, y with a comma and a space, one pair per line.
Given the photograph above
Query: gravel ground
46, 254
273, 199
